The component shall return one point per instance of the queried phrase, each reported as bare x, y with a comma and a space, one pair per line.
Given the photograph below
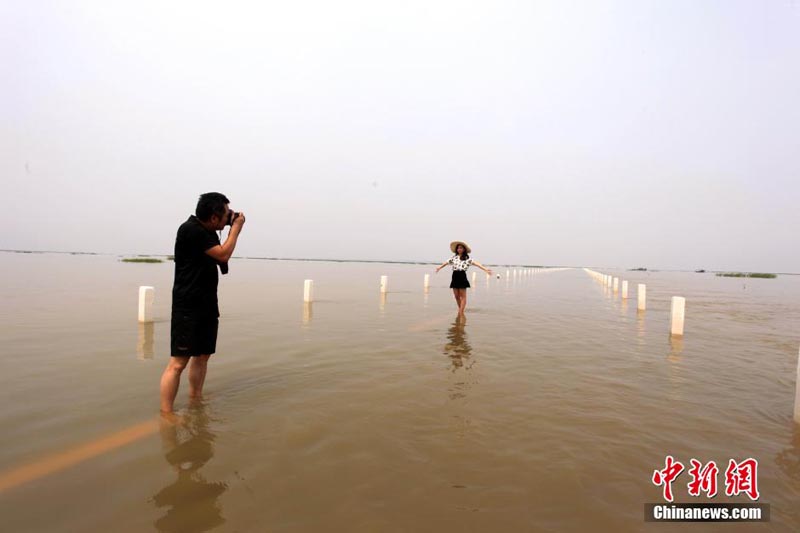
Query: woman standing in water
461, 262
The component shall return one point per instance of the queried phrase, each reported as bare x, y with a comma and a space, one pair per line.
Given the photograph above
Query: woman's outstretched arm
442, 266
487, 270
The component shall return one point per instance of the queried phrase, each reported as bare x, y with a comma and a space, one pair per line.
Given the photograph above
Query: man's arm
223, 252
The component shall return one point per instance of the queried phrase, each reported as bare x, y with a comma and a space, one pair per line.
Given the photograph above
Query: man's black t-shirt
195, 288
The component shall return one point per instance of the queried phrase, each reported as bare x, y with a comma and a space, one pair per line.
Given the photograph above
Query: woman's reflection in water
191, 500
458, 349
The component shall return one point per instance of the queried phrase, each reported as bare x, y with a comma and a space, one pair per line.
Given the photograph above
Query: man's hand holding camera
236, 221
223, 252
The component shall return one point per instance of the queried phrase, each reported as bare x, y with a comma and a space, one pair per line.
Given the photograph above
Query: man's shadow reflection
191, 500
457, 348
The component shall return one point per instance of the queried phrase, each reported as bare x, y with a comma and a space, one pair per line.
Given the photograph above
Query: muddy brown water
547, 409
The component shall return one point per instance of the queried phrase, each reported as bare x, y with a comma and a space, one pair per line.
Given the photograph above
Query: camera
233, 215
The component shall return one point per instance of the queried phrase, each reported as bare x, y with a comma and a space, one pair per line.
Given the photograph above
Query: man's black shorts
193, 335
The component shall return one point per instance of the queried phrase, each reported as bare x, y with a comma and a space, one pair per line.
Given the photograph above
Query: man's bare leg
170, 380
197, 375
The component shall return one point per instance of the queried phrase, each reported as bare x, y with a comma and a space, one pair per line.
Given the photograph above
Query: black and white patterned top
458, 264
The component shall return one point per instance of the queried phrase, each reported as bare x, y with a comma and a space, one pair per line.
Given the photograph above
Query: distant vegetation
640, 269
141, 260
747, 275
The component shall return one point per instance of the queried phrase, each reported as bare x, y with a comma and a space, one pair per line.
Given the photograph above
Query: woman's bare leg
462, 305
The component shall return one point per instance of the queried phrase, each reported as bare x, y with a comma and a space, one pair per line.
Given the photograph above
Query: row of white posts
677, 312
146, 294
678, 304
308, 289
677, 308
615, 285
677, 316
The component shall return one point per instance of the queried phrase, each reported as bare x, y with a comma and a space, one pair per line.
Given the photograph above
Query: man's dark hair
211, 203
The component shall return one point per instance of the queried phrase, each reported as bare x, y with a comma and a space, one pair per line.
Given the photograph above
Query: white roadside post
677, 314
146, 297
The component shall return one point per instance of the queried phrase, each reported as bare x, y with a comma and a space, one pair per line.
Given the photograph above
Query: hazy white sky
633, 133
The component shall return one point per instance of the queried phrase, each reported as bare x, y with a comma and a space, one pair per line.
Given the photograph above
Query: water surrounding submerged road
546, 409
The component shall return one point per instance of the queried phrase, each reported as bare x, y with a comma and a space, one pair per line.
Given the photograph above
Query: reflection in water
675, 368
146, 341
308, 312
191, 500
458, 348
789, 459
383, 300
640, 329
675, 348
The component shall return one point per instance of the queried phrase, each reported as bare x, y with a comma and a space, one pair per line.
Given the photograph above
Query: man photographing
195, 313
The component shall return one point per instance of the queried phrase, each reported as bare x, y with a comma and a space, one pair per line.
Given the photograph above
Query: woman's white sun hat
454, 245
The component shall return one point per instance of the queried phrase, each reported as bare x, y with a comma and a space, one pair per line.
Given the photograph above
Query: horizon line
383, 261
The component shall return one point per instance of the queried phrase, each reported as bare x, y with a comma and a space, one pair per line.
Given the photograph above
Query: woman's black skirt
459, 280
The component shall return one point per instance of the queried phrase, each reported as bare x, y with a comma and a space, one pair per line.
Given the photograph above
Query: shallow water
547, 409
